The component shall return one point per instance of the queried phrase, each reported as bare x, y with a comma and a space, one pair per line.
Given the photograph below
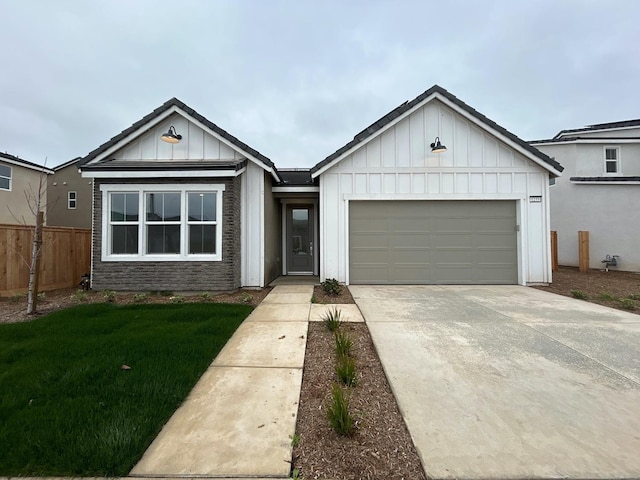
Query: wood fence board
66, 255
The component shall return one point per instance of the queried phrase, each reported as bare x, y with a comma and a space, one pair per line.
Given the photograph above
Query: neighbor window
5, 177
612, 160
179, 222
71, 200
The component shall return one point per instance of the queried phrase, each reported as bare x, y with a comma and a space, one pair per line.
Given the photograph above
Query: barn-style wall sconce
171, 136
437, 147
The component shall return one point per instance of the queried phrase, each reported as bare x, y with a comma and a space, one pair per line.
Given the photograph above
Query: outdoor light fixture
437, 147
171, 136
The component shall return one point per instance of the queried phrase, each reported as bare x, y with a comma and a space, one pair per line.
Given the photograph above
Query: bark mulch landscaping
320, 296
381, 447
614, 289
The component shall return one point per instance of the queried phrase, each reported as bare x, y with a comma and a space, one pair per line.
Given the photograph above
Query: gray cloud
297, 79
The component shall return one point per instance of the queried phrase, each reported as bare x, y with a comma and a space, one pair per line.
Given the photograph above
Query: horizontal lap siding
174, 276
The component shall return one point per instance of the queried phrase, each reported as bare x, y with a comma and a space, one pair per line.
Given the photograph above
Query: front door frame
303, 202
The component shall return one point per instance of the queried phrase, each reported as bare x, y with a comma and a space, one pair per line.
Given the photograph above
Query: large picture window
179, 222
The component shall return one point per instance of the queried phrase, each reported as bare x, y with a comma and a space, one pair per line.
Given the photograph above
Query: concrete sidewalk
239, 419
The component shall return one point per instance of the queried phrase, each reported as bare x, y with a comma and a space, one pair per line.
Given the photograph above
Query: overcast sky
298, 79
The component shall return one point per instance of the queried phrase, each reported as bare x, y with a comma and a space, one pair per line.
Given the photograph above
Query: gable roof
600, 126
376, 126
74, 161
23, 163
174, 102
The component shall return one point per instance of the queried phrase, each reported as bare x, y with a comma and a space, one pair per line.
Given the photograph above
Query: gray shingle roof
601, 126
297, 177
408, 105
34, 166
174, 102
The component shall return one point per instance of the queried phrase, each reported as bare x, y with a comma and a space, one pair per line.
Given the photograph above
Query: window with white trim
5, 177
180, 222
72, 198
612, 160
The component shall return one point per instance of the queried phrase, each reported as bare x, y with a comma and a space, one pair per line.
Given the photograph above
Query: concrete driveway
509, 381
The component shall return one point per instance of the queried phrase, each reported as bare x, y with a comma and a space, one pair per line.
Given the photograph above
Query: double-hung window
72, 199
162, 222
5, 177
612, 161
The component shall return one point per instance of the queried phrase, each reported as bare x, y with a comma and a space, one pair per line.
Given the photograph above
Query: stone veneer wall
173, 276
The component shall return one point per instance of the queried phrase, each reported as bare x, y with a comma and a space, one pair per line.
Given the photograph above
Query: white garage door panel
432, 242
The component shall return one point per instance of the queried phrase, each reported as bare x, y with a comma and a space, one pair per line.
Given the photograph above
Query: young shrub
205, 296
79, 296
338, 412
606, 296
246, 297
627, 303
579, 294
346, 371
343, 344
140, 297
177, 299
331, 286
332, 320
109, 296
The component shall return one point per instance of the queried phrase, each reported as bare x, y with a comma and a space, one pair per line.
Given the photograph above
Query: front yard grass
67, 405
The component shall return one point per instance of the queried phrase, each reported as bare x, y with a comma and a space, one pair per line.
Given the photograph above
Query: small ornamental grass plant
338, 412
332, 319
343, 344
579, 294
346, 371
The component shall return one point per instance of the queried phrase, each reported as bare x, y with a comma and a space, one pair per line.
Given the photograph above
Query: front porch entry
300, 238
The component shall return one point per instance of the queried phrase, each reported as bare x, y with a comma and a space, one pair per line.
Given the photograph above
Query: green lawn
66, 406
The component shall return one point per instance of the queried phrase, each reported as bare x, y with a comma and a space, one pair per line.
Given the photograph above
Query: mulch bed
14, 309
605, 288
320, 297
381, 447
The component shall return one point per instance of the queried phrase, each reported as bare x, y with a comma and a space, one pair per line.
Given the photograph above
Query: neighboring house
599, 193
69, 197
208, 212
19, 186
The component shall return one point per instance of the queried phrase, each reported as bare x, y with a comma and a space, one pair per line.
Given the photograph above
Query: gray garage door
432, 242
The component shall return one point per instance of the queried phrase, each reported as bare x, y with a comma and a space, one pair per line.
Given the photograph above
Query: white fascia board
132, 136
229, 144
371, 137
498, 135
46, 170
164, 174
608, 141
603, 183
588, 132
458, 110
295, 189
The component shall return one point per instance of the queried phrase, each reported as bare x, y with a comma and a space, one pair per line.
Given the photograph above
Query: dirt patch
381, 447
319, 296
615, 289
14, 309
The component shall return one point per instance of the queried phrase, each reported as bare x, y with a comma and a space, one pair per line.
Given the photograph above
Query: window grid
5, 177
124, 225
72, 200
612, 160
199, 227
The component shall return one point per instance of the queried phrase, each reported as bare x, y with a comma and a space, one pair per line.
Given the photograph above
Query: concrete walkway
510, 382
239, 419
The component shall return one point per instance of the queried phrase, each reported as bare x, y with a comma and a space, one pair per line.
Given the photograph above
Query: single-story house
180, 204
599, 192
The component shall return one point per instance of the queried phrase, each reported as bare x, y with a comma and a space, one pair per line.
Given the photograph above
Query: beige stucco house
69, 197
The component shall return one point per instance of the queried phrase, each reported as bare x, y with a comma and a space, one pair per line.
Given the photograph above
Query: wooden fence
65, 257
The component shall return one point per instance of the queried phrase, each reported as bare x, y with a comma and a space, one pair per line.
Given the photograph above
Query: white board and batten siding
196, 144
398, 165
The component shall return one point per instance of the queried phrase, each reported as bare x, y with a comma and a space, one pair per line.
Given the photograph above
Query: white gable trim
599, 140
458, 110
163, 173
37, 168
161, 118
574, 133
